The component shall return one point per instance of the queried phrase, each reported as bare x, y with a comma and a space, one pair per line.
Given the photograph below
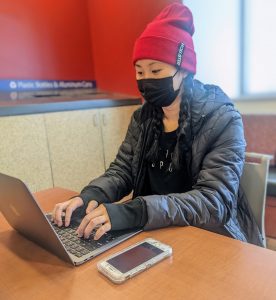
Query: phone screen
134, 257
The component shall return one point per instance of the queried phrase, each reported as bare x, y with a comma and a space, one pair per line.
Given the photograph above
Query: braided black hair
184, 132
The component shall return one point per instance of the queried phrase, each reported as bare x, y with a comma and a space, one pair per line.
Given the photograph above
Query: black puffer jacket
216, 160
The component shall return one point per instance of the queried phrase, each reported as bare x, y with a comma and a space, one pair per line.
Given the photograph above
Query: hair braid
184, 131
157, 129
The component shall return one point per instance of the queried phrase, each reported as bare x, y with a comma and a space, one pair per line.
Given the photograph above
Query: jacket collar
206, 100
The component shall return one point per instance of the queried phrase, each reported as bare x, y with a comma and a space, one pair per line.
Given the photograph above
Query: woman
183, 153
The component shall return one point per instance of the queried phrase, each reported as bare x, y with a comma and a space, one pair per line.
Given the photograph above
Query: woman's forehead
150, 62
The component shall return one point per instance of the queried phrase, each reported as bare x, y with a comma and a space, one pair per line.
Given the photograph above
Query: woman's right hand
67, 208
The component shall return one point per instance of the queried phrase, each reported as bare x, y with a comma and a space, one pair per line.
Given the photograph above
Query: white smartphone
133, 260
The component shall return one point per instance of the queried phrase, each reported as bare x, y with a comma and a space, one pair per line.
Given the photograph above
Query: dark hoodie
215, 161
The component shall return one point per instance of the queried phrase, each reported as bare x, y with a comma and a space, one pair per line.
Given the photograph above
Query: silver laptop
24, 214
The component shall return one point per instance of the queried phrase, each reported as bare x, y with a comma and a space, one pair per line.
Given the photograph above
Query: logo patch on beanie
180, 53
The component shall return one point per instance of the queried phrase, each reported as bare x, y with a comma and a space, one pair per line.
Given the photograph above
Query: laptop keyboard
80, 246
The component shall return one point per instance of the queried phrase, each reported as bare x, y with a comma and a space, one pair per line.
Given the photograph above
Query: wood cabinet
65, 149
75, 148
114, 124
24, 150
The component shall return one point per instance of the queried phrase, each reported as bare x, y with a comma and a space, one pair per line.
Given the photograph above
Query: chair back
254, 184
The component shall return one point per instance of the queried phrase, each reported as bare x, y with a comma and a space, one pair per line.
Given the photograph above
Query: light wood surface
203, 266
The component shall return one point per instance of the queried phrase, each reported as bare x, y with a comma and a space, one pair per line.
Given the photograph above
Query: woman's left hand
93, 219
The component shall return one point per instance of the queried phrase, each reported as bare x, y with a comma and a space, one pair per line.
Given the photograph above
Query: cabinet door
75, 145
24, 150
115, 122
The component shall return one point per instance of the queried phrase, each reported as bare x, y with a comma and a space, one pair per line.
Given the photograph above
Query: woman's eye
155, 71
140, 73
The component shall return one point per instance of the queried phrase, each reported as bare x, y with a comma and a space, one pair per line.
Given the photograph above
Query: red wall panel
260, 135
45, 40
270, 217
73, 39
115, 24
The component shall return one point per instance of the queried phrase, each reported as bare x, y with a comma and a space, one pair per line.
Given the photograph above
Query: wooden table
204, 265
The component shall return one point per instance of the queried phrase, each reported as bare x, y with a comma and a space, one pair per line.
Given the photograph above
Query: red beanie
168, 38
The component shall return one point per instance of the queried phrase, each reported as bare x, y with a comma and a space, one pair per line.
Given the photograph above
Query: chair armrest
258, 155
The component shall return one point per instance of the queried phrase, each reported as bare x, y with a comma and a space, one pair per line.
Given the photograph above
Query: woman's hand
94, 218
67, 208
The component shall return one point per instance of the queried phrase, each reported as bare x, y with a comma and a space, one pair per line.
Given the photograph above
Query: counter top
20, 103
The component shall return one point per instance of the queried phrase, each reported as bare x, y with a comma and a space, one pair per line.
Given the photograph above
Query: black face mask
158, 92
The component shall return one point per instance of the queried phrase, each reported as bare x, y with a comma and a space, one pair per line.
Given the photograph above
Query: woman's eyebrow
150, 64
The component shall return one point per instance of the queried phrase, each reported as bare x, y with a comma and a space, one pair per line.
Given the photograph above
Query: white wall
216, 42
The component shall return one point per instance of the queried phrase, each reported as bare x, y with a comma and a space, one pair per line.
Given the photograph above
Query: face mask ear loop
176, 72
178, 69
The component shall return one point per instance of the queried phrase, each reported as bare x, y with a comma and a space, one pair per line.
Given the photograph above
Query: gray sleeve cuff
91, 193
127, 215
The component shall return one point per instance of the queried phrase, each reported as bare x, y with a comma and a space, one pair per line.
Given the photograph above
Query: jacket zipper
141, 158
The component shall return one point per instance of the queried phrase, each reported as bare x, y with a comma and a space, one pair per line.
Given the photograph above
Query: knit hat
168, 38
